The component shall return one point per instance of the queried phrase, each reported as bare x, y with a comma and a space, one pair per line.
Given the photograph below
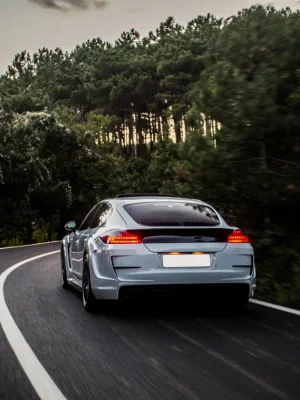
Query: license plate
186, 261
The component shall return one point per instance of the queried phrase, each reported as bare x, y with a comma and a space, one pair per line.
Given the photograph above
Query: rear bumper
129, 289
115, 274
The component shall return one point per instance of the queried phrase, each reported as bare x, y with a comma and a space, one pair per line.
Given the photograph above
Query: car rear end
178, 246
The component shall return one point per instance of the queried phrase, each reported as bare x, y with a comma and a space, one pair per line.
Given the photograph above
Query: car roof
125, 195
131, 199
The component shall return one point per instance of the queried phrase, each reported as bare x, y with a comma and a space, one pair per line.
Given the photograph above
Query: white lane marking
36, 373
280, 308
28, 245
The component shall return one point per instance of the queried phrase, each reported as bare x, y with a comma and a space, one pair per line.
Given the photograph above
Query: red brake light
237, 237
120, 238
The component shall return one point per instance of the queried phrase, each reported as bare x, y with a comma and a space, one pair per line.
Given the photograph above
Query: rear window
172, 214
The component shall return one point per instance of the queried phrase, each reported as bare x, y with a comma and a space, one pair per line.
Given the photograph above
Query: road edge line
28, 245
275, 307
39, 378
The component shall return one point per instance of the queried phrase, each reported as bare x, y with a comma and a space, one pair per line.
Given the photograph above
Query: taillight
237, 237
120, 237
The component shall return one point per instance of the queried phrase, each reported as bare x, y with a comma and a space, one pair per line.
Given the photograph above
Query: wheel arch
63, 251
85, 253
88, 251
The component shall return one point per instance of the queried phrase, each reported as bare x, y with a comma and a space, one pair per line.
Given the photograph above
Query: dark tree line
208, 110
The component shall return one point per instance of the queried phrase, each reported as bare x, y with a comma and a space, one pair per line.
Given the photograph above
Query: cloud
101, 4
46, 3
69, 5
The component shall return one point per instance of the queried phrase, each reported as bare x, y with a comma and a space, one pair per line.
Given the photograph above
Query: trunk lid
186, 240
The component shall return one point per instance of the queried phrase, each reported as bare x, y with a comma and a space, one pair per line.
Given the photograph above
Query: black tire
64, 280
88, 298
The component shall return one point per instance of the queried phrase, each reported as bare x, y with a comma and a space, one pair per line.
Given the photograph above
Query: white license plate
186, 261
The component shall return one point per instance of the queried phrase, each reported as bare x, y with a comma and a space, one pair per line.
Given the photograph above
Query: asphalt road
156, 353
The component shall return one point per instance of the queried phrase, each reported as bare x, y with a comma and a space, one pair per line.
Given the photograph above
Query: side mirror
71, 226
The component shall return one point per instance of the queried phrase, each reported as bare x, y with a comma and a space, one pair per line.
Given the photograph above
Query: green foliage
210, 110
279, 274
160, 177
40, 234
11, 243
53, 237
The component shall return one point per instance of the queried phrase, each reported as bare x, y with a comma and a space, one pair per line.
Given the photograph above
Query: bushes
278, 272
11, 242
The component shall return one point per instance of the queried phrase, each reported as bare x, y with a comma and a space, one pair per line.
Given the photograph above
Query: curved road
129, 354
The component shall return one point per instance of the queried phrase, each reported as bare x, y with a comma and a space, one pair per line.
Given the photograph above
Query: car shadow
180, 309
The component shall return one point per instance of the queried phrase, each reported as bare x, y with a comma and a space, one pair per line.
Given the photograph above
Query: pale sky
25, 25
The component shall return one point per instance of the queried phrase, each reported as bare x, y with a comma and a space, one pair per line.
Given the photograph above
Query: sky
33, 24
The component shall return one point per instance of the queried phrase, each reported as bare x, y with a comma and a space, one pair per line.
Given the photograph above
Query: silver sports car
142, 244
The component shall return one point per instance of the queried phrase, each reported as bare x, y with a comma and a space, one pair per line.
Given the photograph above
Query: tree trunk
177, 121
121, 138
158, 125
130, 144
139, 133
151, 131
165, 126
186, 128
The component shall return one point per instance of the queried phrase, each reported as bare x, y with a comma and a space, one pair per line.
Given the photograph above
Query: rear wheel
88, 298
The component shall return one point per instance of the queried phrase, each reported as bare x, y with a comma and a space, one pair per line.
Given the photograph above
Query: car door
78, 238
97, 218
